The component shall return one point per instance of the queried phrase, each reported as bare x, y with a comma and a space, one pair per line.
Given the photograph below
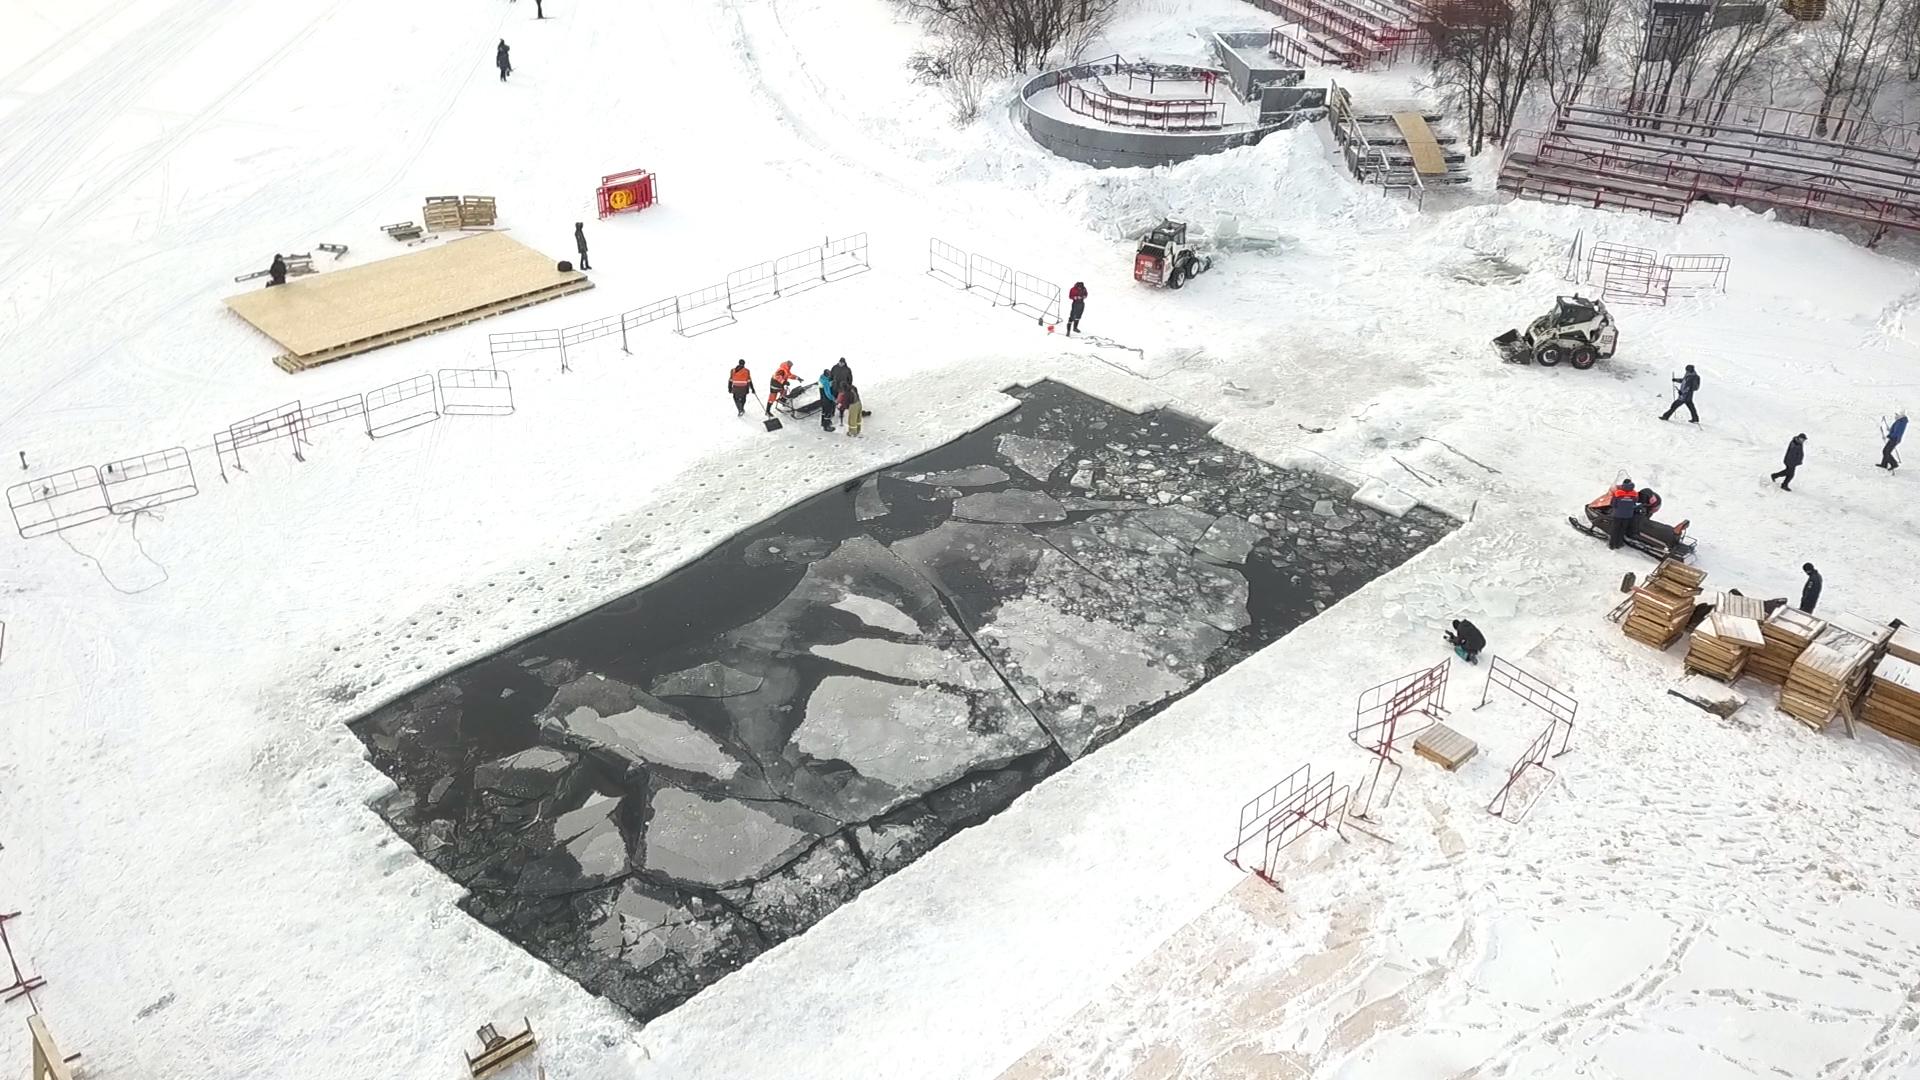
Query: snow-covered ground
184, 814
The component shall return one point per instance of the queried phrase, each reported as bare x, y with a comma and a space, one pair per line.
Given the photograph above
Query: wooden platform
1427, 158
329, 316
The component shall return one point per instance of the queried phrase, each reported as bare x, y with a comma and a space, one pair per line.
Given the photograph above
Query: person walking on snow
276, 271
500, 60
1895, 433
849, 396
1620, 513
1684, 386
1796, 453
580, 244
1810, 592
740, 384
539, 9
1077, 298
1467, 640
779, 384
828, 403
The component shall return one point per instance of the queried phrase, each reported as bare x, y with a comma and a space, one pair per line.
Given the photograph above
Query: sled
498, 1051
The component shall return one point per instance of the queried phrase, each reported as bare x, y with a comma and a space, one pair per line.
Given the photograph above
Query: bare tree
1021, 35
1575, 38
1850, 54
960, 69
1487, 55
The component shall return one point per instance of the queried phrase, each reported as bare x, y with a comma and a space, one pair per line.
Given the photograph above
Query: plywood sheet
328, 310
1427, 159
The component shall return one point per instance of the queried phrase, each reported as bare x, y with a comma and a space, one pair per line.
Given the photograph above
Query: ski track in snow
184, 815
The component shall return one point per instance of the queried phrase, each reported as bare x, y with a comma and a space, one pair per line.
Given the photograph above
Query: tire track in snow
48, 134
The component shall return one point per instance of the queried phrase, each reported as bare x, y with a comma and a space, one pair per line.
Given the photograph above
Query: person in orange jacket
777, 386
740, 384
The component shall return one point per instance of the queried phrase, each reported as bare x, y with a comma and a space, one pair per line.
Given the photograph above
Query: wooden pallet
1662, 607
1788, 631
1893, 699
290, 363
1905, 644
1445, 747
441, 213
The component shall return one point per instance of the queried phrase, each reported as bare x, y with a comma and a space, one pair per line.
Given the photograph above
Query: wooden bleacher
1603, 151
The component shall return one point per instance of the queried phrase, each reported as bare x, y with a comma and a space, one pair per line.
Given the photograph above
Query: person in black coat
277, 271
500, 60
1796, 453
1683, 388
1810, 592
842, 373
580, 243
1467, 640
1077, 298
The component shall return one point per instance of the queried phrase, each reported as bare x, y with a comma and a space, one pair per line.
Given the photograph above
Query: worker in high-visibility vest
779, 385
740, 384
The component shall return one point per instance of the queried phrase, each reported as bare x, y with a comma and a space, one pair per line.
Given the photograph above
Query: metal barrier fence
1376, 722
948, 263
401, 406
475, 392
1005, 286
149, 480
708, 307
61, 501
1282, 814
1560, 707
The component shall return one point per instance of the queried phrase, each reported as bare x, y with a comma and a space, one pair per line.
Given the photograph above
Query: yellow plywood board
326, 311
1427, 159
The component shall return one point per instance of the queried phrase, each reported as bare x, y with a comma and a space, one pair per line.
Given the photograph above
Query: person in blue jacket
1895, 433
828, 403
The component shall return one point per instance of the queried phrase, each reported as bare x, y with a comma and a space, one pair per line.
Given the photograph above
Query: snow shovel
773, 423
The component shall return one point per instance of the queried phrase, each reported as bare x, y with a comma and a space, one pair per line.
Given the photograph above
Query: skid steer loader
1165, 257
1577, 330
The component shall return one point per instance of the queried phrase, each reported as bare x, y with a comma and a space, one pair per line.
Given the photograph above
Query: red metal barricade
622, 192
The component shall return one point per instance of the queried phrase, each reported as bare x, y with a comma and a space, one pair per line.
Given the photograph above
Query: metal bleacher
1355, 34
1612, 148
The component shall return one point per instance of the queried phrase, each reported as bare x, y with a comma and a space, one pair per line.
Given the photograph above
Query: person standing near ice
1895, 432
828, 403
501, 61
580, 243
1077, 300
842, 373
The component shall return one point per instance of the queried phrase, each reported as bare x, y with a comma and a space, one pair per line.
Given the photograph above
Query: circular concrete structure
1116, 113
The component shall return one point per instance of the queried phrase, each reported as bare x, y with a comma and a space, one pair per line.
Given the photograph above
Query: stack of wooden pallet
441, 213
1824, 676
1663, 606
1787, 631
1905, 644
1720, 645
1893, 698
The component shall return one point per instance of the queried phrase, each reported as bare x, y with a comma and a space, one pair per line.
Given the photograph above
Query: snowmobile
1658, 539
1165, 257
1577, 330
